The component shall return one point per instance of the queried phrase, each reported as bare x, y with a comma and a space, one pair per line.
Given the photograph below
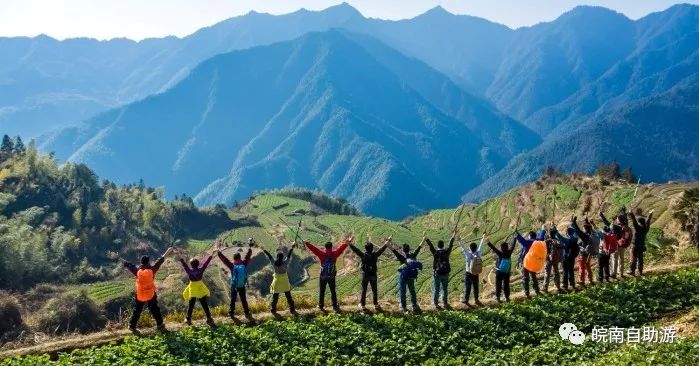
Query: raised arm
430, 246
604, 219
314, 249
451, 242
649, 219
268, 255
225, 260
480, 245
156, 266
288, 255
343, 246
522, 241
248, 256
399, 257
494, 249
417, 251
184, 264
582, 234
382, 249
634, 221
356, 251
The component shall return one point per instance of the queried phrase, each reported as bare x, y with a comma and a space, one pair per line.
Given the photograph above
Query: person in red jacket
327, 258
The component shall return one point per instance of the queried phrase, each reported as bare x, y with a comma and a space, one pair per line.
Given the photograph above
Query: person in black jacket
442, 268
503, 267
640, 226
369, 270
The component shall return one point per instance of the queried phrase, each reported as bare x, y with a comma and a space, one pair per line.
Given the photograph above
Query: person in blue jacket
528, 276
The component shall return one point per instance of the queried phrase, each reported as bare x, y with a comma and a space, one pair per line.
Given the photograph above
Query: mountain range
397, 116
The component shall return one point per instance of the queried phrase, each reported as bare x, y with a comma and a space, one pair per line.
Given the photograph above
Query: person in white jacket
474, 267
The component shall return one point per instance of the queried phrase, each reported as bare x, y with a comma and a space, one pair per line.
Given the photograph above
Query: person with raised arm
554, 251
145, 289
369, 268
441, 268
327, 258
570, 254
641, 226
280, 279
474, 267
503, 267
408, 273
196, 289
239, 277
527, 275
610, 237
588, 249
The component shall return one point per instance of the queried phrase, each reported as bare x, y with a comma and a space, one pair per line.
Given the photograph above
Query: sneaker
188, 322
133, 329
479, 303
417, 310
337, 309
447, 307
437, 307
162, 328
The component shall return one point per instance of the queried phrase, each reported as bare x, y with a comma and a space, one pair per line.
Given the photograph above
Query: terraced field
554, 199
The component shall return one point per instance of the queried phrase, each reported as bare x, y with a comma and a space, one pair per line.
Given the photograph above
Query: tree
627, 175
7, 148
19, 146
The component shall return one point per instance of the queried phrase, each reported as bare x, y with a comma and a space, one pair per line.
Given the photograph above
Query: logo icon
569, 331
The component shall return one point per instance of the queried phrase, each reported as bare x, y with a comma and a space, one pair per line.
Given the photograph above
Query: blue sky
138, 19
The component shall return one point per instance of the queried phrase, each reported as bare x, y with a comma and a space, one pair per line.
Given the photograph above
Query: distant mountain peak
588, 12
437, 11
343, 8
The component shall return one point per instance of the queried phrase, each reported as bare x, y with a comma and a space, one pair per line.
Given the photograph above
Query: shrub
11, 323
70, 312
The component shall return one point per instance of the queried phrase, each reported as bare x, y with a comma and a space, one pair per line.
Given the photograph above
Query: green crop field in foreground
522, 333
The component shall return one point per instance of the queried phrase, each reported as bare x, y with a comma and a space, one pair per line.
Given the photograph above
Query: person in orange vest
145, 289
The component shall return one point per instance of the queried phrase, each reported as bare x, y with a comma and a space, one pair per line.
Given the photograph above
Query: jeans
502, 283
289, 300
204, 305
235, 293
329, 282
410, 284
471, 283
440, 281
603, 266
568, 272
369, 280
552, 269
152, 307
529, 276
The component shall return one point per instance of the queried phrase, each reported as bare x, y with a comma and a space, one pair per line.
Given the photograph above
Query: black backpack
369, 264
441, 258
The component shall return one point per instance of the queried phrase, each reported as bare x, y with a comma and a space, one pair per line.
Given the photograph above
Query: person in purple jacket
196, 288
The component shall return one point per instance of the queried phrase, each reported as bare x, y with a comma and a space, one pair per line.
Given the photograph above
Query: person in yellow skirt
280, 281
196, 289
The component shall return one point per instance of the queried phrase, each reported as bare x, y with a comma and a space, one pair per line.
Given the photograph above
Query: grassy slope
496, 217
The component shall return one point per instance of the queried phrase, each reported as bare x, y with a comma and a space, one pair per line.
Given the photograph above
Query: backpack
410, 269
534, 260
369, 264
441, 262
475, 267
239, 276
145, 285
504, 265
327, 270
